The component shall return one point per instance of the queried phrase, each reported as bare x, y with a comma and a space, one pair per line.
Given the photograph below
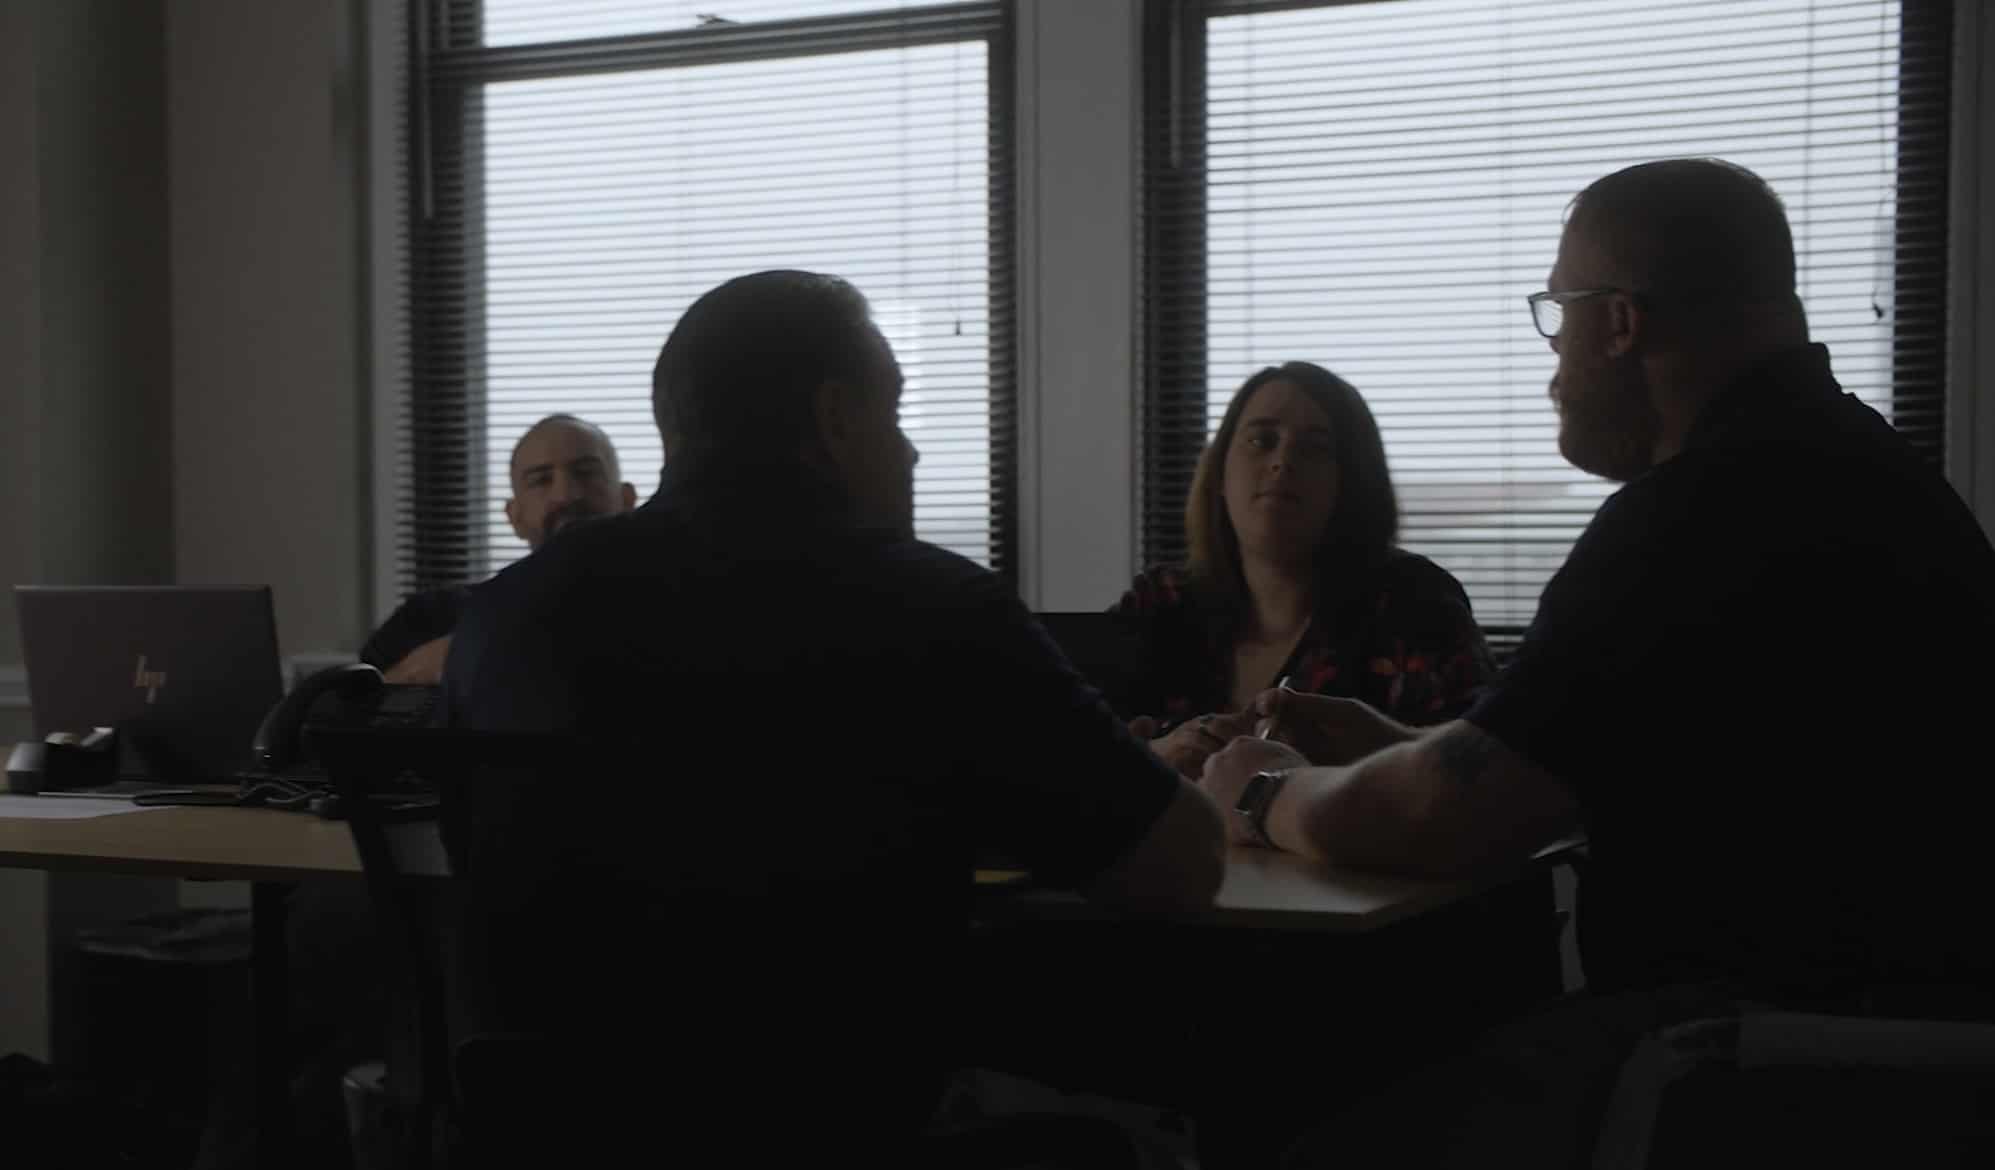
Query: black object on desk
285, 771
64, 760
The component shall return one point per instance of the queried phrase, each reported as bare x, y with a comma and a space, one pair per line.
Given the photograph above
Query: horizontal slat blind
1376, 187
592, 168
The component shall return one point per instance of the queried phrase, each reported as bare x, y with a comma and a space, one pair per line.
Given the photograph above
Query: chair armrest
1759, 1038
1769, 1039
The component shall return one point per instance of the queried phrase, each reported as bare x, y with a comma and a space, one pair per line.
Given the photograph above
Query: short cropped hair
562, 418
1691, 229
744, 360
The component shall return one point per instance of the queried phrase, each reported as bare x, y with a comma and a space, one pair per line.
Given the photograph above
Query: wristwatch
1255, 801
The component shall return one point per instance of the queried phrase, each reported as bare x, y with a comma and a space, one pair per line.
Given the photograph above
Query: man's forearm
1445, 804
1386, 734
1347, 814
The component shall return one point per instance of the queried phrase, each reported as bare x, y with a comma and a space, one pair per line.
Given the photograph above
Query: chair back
409, 796
1770, 1087
1109, 652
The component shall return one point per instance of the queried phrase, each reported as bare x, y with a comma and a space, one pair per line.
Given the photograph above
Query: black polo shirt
830, 723
1763, 671
423, 617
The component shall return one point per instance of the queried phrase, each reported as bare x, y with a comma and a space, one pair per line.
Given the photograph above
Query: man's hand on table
1227, 771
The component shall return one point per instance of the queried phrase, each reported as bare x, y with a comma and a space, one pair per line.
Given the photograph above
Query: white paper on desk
66, 808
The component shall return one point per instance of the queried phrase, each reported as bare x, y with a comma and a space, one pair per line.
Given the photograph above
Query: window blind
1376, 187
580, 172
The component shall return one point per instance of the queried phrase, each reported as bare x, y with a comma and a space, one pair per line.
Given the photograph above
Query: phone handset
279, 738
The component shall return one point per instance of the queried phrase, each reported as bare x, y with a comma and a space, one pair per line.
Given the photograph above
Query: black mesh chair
475, 1074
402, 794
1767, 1087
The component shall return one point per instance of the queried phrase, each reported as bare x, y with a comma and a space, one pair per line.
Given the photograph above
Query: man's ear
629, 495
1627, 322
513, 518
832, 403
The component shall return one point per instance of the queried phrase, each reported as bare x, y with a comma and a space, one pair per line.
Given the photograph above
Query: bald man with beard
563, 469
1753, 684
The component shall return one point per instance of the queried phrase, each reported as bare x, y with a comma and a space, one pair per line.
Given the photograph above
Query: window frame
1173, 368
440, 536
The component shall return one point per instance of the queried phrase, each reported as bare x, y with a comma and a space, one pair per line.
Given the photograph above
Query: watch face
1250, 796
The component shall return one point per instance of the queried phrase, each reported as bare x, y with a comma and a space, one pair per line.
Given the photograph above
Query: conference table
266, 847
272, 848
1262, 889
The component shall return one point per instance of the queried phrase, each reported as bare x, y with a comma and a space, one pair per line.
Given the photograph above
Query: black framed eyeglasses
1548, 309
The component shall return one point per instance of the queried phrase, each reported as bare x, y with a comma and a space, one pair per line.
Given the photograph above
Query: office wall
269, 479
103, 479
84, 343
23, 959
105, 505
20, 309
1078, 90
179, 321
84, 386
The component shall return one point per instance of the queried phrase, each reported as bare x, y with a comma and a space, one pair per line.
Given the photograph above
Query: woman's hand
1190, 742
1327, 729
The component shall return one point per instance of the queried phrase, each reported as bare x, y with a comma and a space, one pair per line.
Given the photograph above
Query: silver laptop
185, 673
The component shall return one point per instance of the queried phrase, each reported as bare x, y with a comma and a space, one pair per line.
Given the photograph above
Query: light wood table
248, 844
268, 848
243, 844
1262, 889
1265, 890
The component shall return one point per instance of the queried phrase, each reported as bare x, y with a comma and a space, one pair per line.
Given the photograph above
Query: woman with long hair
1294, 575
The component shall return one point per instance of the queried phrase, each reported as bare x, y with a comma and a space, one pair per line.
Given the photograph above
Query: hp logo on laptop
148, 681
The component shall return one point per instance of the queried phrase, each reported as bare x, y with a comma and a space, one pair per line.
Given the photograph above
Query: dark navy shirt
422, 618
1763, 672
826, 726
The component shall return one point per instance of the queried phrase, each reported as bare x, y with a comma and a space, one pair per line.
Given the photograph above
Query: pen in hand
1268, 725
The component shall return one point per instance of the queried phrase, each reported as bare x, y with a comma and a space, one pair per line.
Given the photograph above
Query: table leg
270, 977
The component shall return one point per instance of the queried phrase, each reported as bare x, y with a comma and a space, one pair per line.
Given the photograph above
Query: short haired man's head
1682, 255
564, 469
788, 366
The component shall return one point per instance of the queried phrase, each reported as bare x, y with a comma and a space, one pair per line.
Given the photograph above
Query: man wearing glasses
1748, 684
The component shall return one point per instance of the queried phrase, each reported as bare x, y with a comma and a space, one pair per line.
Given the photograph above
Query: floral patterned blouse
1407, 644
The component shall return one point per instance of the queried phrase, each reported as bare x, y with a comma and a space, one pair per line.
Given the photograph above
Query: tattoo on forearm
1464, 752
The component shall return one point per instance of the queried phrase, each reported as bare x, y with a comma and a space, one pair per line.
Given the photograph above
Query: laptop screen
185, 673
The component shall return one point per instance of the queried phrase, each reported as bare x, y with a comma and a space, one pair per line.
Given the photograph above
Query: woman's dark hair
1362, 526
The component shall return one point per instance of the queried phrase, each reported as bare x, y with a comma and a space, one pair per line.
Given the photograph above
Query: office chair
468, 1086
1765, 1087
409, 851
